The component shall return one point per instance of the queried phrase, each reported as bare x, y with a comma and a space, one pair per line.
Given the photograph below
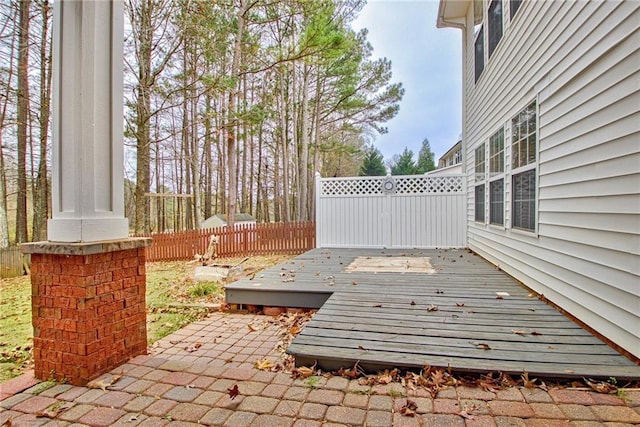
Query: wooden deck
452, 318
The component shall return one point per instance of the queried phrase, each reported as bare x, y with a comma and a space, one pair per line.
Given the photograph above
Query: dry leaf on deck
432, 307
251, 327
483, 346
518, 332
459, 304
534, 333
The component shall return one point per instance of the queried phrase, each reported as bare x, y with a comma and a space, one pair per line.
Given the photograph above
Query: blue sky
427, 61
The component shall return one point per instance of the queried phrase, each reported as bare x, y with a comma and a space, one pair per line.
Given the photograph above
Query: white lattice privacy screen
400, 211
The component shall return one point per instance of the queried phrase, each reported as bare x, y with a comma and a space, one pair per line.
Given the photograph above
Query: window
496, 173
479, 203
494, 24
479, 52
480, 162
524, 200
480, 187
523, 137
496, 153
514, 5
458, 158
524, 155
496, 202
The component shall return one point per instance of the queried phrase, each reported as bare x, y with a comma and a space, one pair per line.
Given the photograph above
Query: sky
427, 61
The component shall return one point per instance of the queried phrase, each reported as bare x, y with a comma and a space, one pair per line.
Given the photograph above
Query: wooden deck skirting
453, 318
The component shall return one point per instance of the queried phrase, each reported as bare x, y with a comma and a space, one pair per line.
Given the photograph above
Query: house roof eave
452, 13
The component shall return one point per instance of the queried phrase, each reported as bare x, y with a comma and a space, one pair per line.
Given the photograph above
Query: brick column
88, 307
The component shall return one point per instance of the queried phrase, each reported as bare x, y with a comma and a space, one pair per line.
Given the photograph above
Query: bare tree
22, 118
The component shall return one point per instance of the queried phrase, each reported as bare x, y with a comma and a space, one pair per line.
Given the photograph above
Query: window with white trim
494, 25
496, 176
514, 5
478, 37
480, 177
523, 164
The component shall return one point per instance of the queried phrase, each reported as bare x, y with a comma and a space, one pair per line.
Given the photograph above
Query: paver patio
175, 385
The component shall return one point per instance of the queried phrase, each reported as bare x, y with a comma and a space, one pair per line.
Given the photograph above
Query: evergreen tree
373, 163
426, 160
403, 164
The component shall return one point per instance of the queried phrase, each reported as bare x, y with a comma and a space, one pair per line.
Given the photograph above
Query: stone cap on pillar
85, 248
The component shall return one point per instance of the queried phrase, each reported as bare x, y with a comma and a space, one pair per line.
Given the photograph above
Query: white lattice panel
417, 184
427, 184
352, 186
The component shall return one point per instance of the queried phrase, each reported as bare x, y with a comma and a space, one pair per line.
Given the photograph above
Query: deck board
452, 318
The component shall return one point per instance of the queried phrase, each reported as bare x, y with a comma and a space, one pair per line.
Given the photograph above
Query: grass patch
202, 289
16, 332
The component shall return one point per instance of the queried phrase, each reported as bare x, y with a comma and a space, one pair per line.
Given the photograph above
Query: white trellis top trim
379, 185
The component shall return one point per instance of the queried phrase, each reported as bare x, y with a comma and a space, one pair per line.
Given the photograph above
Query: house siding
580, 61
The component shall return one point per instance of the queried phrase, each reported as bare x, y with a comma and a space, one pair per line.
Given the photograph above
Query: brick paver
176, 388
102, 417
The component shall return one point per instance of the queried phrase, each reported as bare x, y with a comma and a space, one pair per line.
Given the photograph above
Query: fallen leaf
362, 348
104, 384
233, 391
526, 382
518, 332
432, 307
534, 333
483, 346
413, 303
459, 304
229, 360
303, 372
409, 409
354, 283
378, 306
466, 413
251, 327
294, 330
264, 365
53, 410
601, 387
193, 347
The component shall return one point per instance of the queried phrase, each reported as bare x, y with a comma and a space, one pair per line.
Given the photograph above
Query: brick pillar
88, 307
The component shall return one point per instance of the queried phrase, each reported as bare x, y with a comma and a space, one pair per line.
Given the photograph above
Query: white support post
87, 169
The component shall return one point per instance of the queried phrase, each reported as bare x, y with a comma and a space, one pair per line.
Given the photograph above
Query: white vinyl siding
580, 61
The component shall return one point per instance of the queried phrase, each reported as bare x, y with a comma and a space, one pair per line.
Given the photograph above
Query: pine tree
403, 164
426, 160
373, 163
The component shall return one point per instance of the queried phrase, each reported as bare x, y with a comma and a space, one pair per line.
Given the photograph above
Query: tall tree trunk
41, 197
4, 220
22, 117
143, 116
303, 159
232, 175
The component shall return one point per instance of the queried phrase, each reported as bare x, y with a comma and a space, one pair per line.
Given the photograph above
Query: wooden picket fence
11, 262
243, 240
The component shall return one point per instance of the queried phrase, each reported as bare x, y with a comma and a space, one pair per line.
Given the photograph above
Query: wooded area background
230, 106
